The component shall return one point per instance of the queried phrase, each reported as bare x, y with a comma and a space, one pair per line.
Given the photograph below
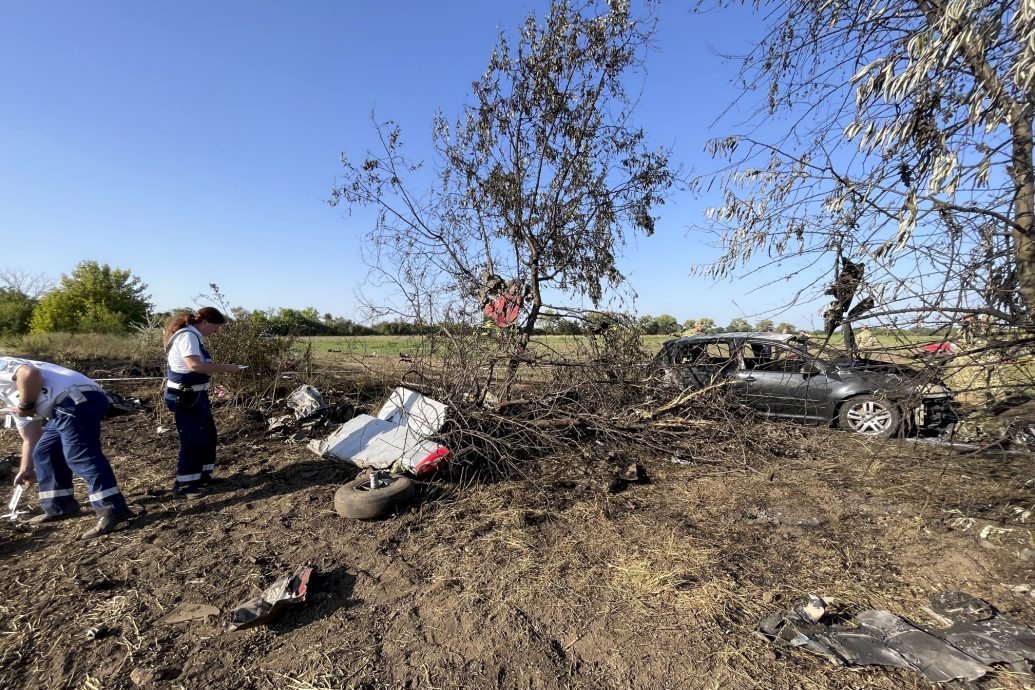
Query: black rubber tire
357, 500
870, 415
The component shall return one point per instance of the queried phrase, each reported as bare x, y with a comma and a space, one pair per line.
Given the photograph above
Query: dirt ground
545, 579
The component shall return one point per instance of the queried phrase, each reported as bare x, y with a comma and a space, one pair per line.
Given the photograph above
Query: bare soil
548, 578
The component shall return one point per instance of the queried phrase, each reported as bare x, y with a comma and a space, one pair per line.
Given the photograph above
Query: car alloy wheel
870, 416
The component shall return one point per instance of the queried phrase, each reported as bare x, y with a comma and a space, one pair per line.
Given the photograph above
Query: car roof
740, 335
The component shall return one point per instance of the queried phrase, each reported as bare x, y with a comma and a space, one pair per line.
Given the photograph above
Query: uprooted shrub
587, 396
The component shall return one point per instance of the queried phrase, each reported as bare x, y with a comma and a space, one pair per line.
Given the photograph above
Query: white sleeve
8, 367
187, 345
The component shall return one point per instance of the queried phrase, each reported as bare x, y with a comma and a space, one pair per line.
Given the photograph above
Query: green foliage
666, 325
15, 312
647, 325
764, 326
543, 178
785, 327
246, 341
738, 324
95, 298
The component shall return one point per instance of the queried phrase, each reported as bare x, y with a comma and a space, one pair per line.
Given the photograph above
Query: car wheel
869, 415
372, 495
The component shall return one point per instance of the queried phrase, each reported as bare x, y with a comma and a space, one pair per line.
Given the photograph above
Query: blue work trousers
197, 429
71, 442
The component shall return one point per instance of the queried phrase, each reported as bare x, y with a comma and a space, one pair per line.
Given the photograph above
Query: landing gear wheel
870, 415
372, 495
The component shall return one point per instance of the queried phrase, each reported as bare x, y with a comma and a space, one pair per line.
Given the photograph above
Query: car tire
360, 501
870, 415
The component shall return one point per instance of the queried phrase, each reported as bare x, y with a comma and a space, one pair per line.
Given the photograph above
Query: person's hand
25, 476
19, 412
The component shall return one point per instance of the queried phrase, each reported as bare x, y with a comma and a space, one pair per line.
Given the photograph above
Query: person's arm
195, 364
29, 381
30, 434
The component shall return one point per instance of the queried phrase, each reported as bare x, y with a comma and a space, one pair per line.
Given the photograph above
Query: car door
781, 381
705, 363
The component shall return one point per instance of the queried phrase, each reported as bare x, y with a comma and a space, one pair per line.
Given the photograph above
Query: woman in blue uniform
190, 367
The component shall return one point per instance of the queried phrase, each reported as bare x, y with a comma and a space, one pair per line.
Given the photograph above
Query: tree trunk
1022, 171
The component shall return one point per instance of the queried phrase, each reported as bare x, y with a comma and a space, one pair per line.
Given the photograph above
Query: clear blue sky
196, 142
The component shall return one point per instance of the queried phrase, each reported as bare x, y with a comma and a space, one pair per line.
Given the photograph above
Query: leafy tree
909, 147
569, 327
542, 179
94, 298
648, 325
785, 327
764, 325
15, 311
666, 325
306, 321
703, 325
738, 325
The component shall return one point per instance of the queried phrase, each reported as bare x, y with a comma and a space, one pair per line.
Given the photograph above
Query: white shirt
185, 342
56, 380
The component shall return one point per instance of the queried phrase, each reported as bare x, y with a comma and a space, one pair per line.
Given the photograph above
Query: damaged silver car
790, 377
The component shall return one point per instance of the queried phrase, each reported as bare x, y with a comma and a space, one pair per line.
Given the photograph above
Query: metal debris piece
975, 639
120, 405
305, 400
12, 505
287, 590
634, 473
282, 423
97, 632
185, 613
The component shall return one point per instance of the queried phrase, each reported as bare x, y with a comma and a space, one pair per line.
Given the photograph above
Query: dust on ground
548, 578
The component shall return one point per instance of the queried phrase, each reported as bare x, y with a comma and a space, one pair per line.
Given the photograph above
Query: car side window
720, 353
778, 358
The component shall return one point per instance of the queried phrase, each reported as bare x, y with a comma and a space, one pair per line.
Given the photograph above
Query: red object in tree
935, 348
504, 309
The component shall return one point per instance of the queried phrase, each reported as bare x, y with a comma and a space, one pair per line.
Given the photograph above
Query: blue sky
197, 142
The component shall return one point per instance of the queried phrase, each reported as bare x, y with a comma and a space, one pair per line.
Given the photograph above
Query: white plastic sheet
396, 437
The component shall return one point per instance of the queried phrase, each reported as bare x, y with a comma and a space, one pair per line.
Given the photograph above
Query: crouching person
73, 406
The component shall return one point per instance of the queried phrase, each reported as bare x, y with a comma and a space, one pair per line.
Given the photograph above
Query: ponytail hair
183, 319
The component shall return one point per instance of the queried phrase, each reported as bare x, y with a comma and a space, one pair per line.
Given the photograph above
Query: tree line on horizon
96, 298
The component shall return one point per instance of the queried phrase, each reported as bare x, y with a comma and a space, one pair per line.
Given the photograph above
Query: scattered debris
291, 589
118, 405
396, 438
188, 612
280, 423
502, 301
97, 632
975, 638
635, 473
12, 505
305, 401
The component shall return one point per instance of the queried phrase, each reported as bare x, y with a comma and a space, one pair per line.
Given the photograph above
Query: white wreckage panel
396, 437
421, 415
